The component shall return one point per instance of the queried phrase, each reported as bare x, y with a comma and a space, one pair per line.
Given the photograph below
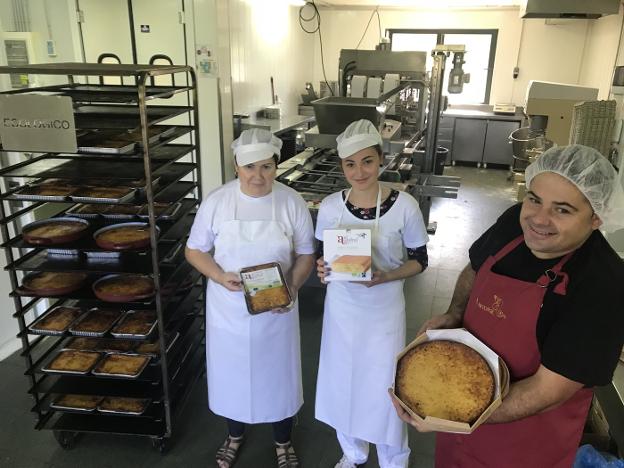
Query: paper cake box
348, 253
496, 364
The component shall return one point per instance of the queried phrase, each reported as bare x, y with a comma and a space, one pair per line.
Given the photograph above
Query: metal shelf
180, 313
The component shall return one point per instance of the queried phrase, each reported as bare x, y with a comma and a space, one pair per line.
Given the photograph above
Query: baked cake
57, 320
446, 380
124, 237
78, 402
129, 365
124, 405
353, 264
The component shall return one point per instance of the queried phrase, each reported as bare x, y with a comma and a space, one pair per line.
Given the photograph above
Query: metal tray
144, 401
49, 370
105, 142
75, 331
36, 197
90, 199
99, 373
103, 255
32, 328
142, 336
81, 211
59, 406
166, 215
63, 254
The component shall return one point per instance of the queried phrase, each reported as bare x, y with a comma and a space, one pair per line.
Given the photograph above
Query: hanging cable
378, 23
367, 25
316, 16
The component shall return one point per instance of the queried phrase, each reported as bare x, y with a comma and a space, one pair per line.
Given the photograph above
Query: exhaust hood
579, 9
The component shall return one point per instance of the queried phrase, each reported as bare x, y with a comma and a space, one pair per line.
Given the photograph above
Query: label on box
260, 280
348, 253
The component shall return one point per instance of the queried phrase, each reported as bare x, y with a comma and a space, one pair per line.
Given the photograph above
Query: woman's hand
404, 415
322, 269
230, 281
285, 310
378, 277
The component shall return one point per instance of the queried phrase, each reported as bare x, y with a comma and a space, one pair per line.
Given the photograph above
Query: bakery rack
165, 161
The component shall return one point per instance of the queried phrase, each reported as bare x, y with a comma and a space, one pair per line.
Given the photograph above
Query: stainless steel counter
277, 126
482, 114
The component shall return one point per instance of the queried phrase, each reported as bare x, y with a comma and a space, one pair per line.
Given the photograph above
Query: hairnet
592, 174
357, 136
255, 145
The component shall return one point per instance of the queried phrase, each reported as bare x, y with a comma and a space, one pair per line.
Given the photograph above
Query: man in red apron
545, 291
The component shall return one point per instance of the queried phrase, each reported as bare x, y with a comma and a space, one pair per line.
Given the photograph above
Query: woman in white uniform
364, 323
253, 361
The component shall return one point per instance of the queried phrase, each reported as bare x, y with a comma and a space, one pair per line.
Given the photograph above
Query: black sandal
228, 454
288, 458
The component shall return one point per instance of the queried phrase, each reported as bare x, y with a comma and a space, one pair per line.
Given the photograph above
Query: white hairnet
255, 145
592, 174
357, 136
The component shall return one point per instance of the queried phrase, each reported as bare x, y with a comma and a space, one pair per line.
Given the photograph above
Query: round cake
446, 380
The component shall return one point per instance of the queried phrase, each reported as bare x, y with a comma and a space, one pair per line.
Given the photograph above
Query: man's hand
404, 415
441, 321
230, 281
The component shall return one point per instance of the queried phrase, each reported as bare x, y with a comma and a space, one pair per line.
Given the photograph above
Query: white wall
550, 52
266, 40
600, 53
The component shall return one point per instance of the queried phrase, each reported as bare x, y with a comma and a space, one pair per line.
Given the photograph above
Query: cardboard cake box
496, 364
348, 253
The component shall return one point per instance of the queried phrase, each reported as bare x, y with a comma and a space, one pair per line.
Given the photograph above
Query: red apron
503, 313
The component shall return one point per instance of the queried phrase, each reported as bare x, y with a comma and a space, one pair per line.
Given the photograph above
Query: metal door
468, 140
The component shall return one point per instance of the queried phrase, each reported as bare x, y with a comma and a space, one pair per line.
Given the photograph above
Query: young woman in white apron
364, 323
253, 361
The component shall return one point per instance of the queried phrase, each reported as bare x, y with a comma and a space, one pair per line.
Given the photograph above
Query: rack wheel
159, 444
484, 165
66, 439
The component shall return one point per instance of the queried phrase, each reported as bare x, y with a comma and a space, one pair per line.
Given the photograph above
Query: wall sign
145, 28
36, 123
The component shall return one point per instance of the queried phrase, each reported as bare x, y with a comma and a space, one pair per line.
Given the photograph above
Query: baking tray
90, 211
74, 329
105, 345
144, 402
166, 215
58, 291
34, 326
254, 282
78, 198
48, 369
141, 244
22, 193
105, 141
59, 405
58, 239
118, 297
150, 325
97, 370
170, 342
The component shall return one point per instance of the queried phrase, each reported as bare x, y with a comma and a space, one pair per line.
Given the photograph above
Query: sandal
286, 457
228, 452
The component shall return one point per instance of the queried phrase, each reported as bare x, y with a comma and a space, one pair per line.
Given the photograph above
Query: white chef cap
255, 145
592, 174
357, 136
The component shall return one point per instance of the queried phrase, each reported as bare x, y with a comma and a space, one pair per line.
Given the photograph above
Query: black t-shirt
580, 335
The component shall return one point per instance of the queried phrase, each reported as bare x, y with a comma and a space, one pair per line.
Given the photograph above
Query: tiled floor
484, 194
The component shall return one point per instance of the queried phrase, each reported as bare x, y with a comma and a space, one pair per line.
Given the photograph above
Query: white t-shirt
219, 206
403, 219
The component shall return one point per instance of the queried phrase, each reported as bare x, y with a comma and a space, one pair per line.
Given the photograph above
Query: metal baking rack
169, 377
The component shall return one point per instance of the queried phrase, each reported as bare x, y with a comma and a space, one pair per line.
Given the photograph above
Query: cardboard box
348, 252
498, 366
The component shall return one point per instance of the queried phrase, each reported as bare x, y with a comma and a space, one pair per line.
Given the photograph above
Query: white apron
253, 361
363, 331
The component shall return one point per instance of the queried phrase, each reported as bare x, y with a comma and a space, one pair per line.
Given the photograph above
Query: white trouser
356, 450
